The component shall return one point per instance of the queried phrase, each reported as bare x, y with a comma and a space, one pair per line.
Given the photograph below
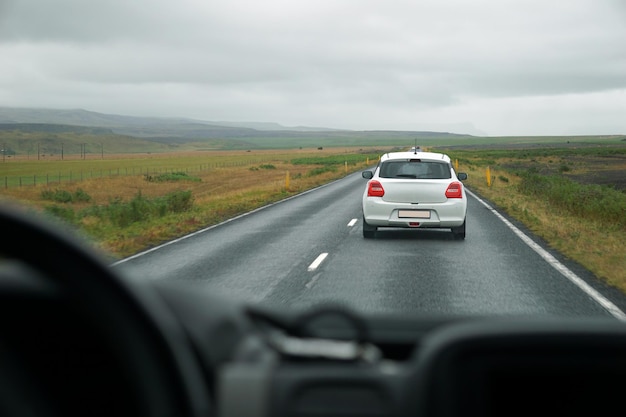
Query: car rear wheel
368, 230
459, 232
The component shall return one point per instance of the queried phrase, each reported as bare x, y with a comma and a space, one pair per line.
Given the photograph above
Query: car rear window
415, 169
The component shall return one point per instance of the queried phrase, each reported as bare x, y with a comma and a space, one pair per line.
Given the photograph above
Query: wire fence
61, 177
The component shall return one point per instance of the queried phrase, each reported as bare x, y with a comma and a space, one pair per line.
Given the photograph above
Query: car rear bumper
449, 214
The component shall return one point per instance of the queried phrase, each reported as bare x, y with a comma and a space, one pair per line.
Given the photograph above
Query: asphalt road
309, 250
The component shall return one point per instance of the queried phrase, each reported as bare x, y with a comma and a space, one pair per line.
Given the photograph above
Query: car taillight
455, 190
375, 189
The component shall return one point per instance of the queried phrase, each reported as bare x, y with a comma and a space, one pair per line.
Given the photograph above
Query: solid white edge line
317, 262
352, 222
565, 271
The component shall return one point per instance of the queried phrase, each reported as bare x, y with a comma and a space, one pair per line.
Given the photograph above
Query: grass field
158, 197
27, 172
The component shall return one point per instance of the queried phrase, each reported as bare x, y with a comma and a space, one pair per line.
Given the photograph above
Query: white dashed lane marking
317, 262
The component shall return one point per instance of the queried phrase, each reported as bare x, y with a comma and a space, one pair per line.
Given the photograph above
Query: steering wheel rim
161, 365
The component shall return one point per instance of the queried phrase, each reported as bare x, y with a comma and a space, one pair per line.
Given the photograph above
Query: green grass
587, 202
122, 214
321, 170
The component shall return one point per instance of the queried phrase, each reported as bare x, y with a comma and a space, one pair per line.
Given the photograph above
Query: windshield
415, 169
238, 148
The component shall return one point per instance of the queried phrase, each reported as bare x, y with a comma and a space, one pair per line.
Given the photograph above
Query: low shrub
64, 213
59, 196
178, 201
172, 176
139, 208
64, 196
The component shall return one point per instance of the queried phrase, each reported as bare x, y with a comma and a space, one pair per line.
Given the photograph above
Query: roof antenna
415, 147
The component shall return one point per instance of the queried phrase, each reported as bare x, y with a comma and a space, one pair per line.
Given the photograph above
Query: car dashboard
446, 367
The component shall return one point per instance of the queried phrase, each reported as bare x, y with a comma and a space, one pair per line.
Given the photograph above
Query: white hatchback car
414, 189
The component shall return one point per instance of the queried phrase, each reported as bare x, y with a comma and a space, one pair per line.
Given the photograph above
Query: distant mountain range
54, 127
145, 126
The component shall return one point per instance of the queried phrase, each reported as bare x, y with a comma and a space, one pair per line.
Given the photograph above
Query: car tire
369, 231
459, 232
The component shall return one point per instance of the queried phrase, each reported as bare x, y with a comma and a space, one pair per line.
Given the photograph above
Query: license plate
414, 214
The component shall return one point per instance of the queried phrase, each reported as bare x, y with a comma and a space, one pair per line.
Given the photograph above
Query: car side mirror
462, 176
368, 175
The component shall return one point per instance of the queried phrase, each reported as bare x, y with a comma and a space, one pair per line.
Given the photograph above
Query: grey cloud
359, 62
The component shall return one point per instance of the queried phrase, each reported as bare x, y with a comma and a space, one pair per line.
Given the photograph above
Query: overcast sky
498, 67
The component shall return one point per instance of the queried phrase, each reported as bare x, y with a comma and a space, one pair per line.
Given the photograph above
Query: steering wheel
159, 365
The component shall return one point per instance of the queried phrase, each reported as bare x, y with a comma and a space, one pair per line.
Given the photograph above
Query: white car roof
419, 155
